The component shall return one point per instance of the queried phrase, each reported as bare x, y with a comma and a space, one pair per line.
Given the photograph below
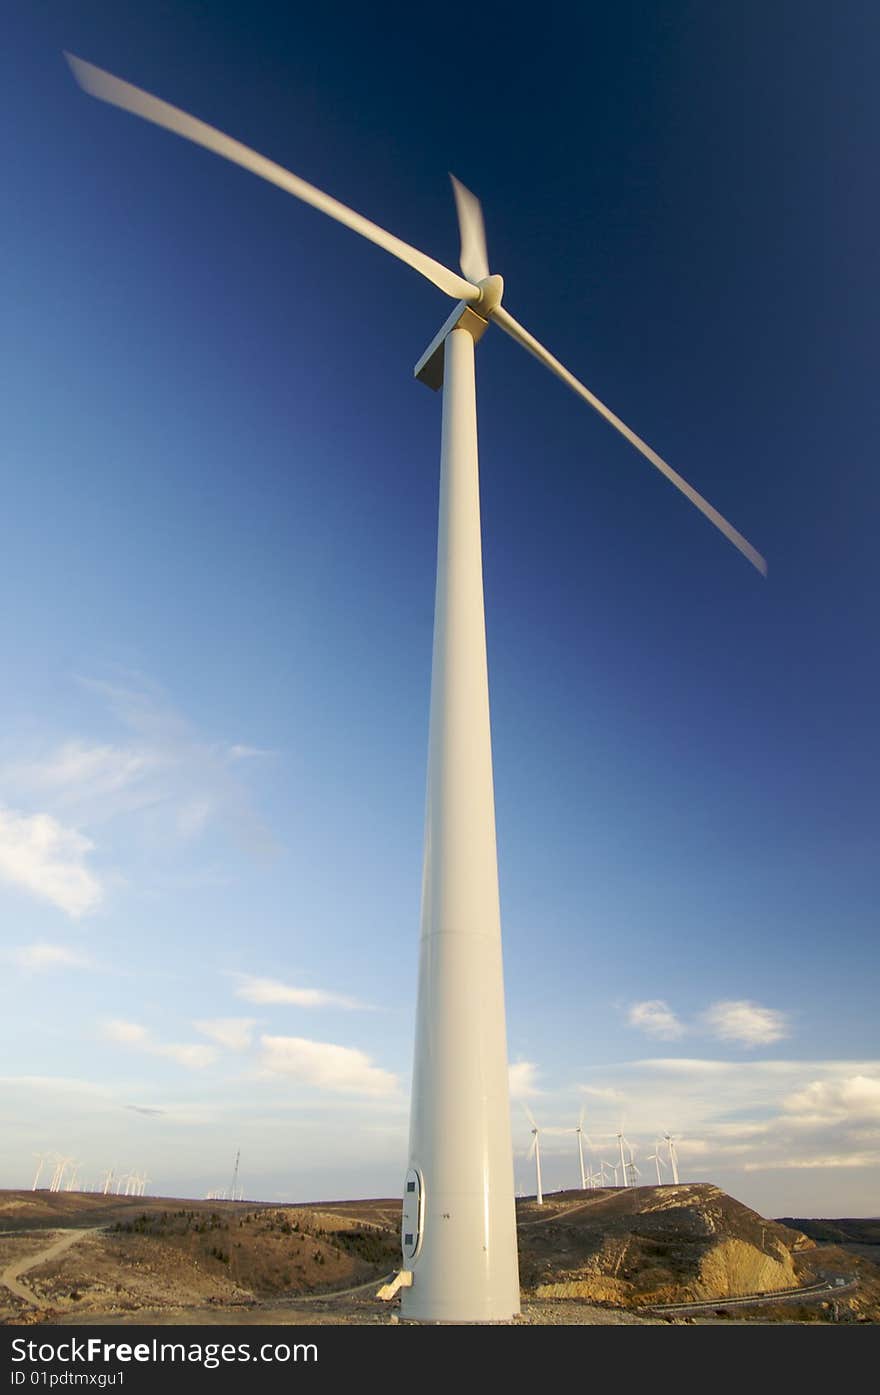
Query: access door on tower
413, 1213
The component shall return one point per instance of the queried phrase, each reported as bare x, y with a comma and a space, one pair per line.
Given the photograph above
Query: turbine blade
529, 1115
531, 1152
474, 260
504, 321
118, 93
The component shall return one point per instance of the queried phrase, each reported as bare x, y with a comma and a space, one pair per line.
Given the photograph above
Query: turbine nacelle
491, 290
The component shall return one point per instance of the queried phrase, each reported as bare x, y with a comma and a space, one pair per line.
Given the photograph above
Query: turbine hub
491, 291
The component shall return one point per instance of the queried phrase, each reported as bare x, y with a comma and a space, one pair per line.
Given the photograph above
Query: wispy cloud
523, 1080
193, 1055
142, 1109
46, 859
271, 990
190, 1054
128, 1033
40, 957
165, 771
834, 1160
326, 1066
234, 1033
748, 1023
655, 1017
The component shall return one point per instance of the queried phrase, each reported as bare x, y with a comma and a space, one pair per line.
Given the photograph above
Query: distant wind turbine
655, 1159
673, 1156
459, 1233
58, 1175
621, 1140
580, 1142
234, 1185
535, 1151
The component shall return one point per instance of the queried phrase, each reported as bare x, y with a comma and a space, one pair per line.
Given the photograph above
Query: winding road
9, 1277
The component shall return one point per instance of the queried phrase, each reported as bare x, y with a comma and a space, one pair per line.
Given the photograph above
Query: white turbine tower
459, 1225
623, 1160
41, 1158
655, 1159
580, 1142
58, 1175
673, 1157
535, 1151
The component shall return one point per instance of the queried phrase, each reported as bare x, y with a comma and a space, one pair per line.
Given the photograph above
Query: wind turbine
535, 1151
459, 1227
673, 1157
580, 1141
234, 1186
655, 1159
623, 1161
58, 1175
41, 1158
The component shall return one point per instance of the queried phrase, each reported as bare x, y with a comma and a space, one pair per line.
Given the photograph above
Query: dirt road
9, 1277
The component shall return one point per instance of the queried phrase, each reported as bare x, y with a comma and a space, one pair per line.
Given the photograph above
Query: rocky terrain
609, 1256
657, 1245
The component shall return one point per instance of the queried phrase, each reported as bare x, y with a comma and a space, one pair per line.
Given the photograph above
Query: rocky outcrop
733, 1268
644, 1245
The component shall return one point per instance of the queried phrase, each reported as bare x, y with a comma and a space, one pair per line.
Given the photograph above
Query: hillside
647, 1245
587, 1257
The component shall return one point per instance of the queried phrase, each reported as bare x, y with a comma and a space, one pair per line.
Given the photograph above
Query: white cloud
76, 767
523, 1081
325, 1066
246, 752
271, 990
235, 1033
746, 1022
656, 1018
834, 1160
36, 958
41, 856
732, 1116
194, 1056
853, 1098
129, 1033
167, 774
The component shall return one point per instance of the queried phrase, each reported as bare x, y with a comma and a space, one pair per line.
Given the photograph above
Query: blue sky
218, 545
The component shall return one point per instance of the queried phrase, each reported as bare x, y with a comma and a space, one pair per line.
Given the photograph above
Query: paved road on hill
786, 1295
10, 1276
